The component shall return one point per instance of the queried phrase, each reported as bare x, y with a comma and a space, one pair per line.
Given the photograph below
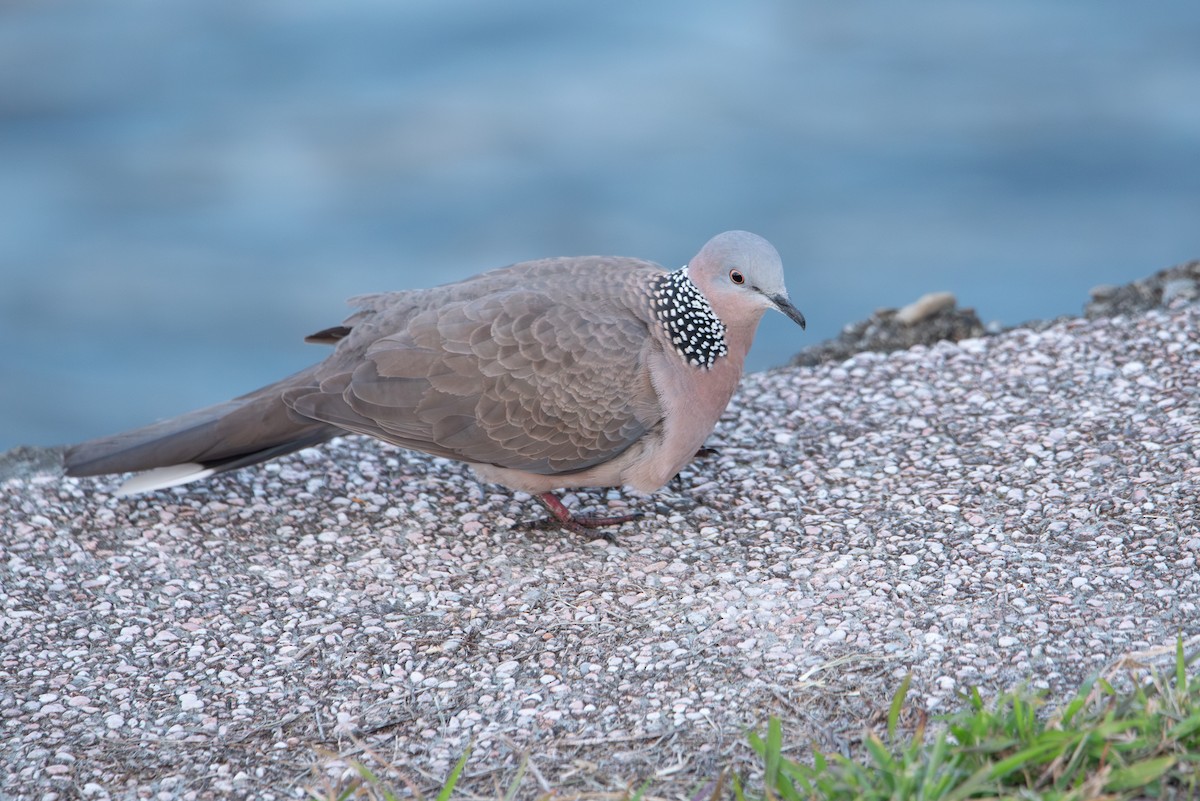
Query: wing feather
519, 377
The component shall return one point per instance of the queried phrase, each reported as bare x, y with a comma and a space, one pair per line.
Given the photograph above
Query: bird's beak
784, 304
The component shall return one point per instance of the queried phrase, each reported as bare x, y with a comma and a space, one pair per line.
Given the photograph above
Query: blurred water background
188, 188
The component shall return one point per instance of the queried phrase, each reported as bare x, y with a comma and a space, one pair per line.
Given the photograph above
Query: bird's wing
518, 378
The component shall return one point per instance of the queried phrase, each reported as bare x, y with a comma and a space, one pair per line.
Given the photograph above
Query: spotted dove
594, 371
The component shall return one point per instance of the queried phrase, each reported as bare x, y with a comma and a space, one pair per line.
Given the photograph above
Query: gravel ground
1015, 509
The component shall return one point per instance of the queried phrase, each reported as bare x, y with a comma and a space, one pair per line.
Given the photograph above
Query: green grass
1143, 742
1100, 744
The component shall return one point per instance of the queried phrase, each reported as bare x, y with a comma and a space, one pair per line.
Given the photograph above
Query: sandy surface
1020, 509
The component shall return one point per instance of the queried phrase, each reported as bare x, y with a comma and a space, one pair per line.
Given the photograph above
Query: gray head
713, 305
741, 274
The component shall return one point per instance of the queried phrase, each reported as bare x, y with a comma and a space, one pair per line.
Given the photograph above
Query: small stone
1179, 289
926, 306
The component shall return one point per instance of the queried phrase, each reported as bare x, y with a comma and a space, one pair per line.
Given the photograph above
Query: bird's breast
692, 400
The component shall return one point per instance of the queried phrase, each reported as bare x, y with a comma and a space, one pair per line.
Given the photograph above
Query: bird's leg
585, 525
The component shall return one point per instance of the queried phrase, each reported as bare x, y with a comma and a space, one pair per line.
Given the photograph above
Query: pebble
1016, 509
925, 306
1179, 288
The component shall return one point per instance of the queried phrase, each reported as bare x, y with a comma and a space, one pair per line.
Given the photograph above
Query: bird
545, 375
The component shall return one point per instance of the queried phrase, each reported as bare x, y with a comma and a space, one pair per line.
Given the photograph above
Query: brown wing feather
520, 378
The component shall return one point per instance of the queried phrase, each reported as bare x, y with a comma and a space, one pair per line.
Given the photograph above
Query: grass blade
1140, 774
452, 779
1181, 679
1185, 728
515, 784
774, 747
897, 704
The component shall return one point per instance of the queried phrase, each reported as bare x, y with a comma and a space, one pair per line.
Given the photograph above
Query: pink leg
582, 524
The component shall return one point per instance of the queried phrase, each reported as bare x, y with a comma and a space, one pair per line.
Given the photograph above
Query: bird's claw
590, 526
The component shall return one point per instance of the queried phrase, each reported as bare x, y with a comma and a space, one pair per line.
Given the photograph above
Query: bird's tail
246, 430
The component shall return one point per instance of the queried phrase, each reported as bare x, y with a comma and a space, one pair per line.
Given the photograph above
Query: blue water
188, 188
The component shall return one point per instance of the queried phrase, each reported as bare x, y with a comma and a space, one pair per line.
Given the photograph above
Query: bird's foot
590, 526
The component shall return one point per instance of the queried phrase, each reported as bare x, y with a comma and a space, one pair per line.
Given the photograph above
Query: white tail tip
163, 477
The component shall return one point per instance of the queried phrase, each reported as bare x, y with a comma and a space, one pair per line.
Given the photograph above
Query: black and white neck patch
688, 319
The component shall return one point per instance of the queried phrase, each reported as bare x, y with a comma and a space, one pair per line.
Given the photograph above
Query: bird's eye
736, 277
